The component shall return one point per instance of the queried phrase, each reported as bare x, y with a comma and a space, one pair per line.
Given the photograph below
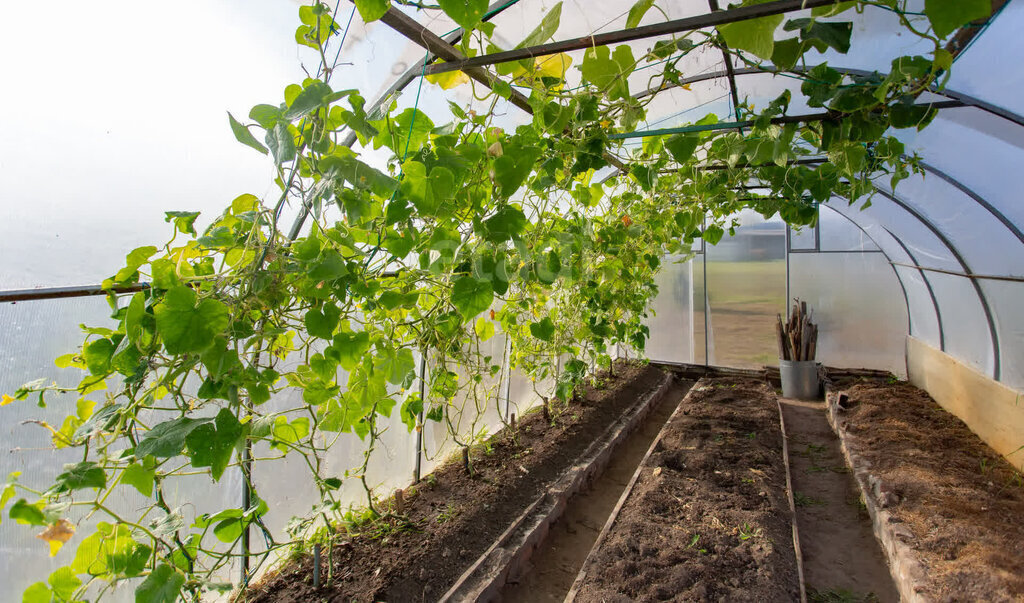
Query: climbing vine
549, 235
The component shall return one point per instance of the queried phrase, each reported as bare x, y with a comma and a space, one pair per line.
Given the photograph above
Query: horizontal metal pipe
637, 33
17, 295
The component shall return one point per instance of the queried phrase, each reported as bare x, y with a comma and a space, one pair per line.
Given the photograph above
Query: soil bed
708, 518
554, 566
454, 518
947, 498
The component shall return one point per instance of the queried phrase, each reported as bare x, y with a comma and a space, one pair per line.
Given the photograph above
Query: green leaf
22, 512
466, 13
398, 366
506, 224
823, 34
513, 168
756, 36
37, 593
321, 321
64, 583
637, 13
167, 439
187, 326
310, 99
184, 221
410, 412
79, 476
359, 174
682, 146
608, 71
211, 444
947, 15
787, 52
291, 432
484, 328
162, 585
371, 10
350, 348
713, 234
410, 131
471, 296
97, 355
134, 259
244, 136
140, 476
281, 142
543, 329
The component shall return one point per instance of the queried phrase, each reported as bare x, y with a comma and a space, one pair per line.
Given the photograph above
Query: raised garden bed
453, 519
708, 517
946, 507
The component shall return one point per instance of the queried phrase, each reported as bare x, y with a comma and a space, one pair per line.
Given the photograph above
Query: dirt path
842, 559
554, 567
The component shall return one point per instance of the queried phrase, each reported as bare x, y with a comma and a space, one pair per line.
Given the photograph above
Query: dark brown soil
453, 518
962, 503
841, 557
708, 519
553, 568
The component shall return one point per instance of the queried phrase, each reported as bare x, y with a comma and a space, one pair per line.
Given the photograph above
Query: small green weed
747, 532
450, 512
802, 500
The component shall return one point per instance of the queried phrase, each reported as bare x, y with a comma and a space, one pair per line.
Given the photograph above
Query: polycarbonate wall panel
746, 286
858, 306
924, 322
837, 233
672, 320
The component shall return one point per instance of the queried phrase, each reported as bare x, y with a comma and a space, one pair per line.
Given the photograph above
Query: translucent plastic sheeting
746, 284
839, 234
1005, 299
35, 333
963, 321
983, 70
924, 321
858, 307
671, 320
982, 151
965, 326
986, 245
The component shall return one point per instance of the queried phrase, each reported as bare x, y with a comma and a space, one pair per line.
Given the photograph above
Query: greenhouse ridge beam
408, 27
637, 33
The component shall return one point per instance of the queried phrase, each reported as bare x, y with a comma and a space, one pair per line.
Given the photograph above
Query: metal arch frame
966, 99
993, 333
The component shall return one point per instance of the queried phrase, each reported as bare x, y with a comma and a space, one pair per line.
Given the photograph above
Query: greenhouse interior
524, 300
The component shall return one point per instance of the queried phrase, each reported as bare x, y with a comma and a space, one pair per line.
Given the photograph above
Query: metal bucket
799, 379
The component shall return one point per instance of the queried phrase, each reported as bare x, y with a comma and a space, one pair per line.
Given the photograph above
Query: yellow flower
5, 400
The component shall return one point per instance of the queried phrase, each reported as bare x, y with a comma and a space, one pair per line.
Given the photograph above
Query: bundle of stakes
798, 338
